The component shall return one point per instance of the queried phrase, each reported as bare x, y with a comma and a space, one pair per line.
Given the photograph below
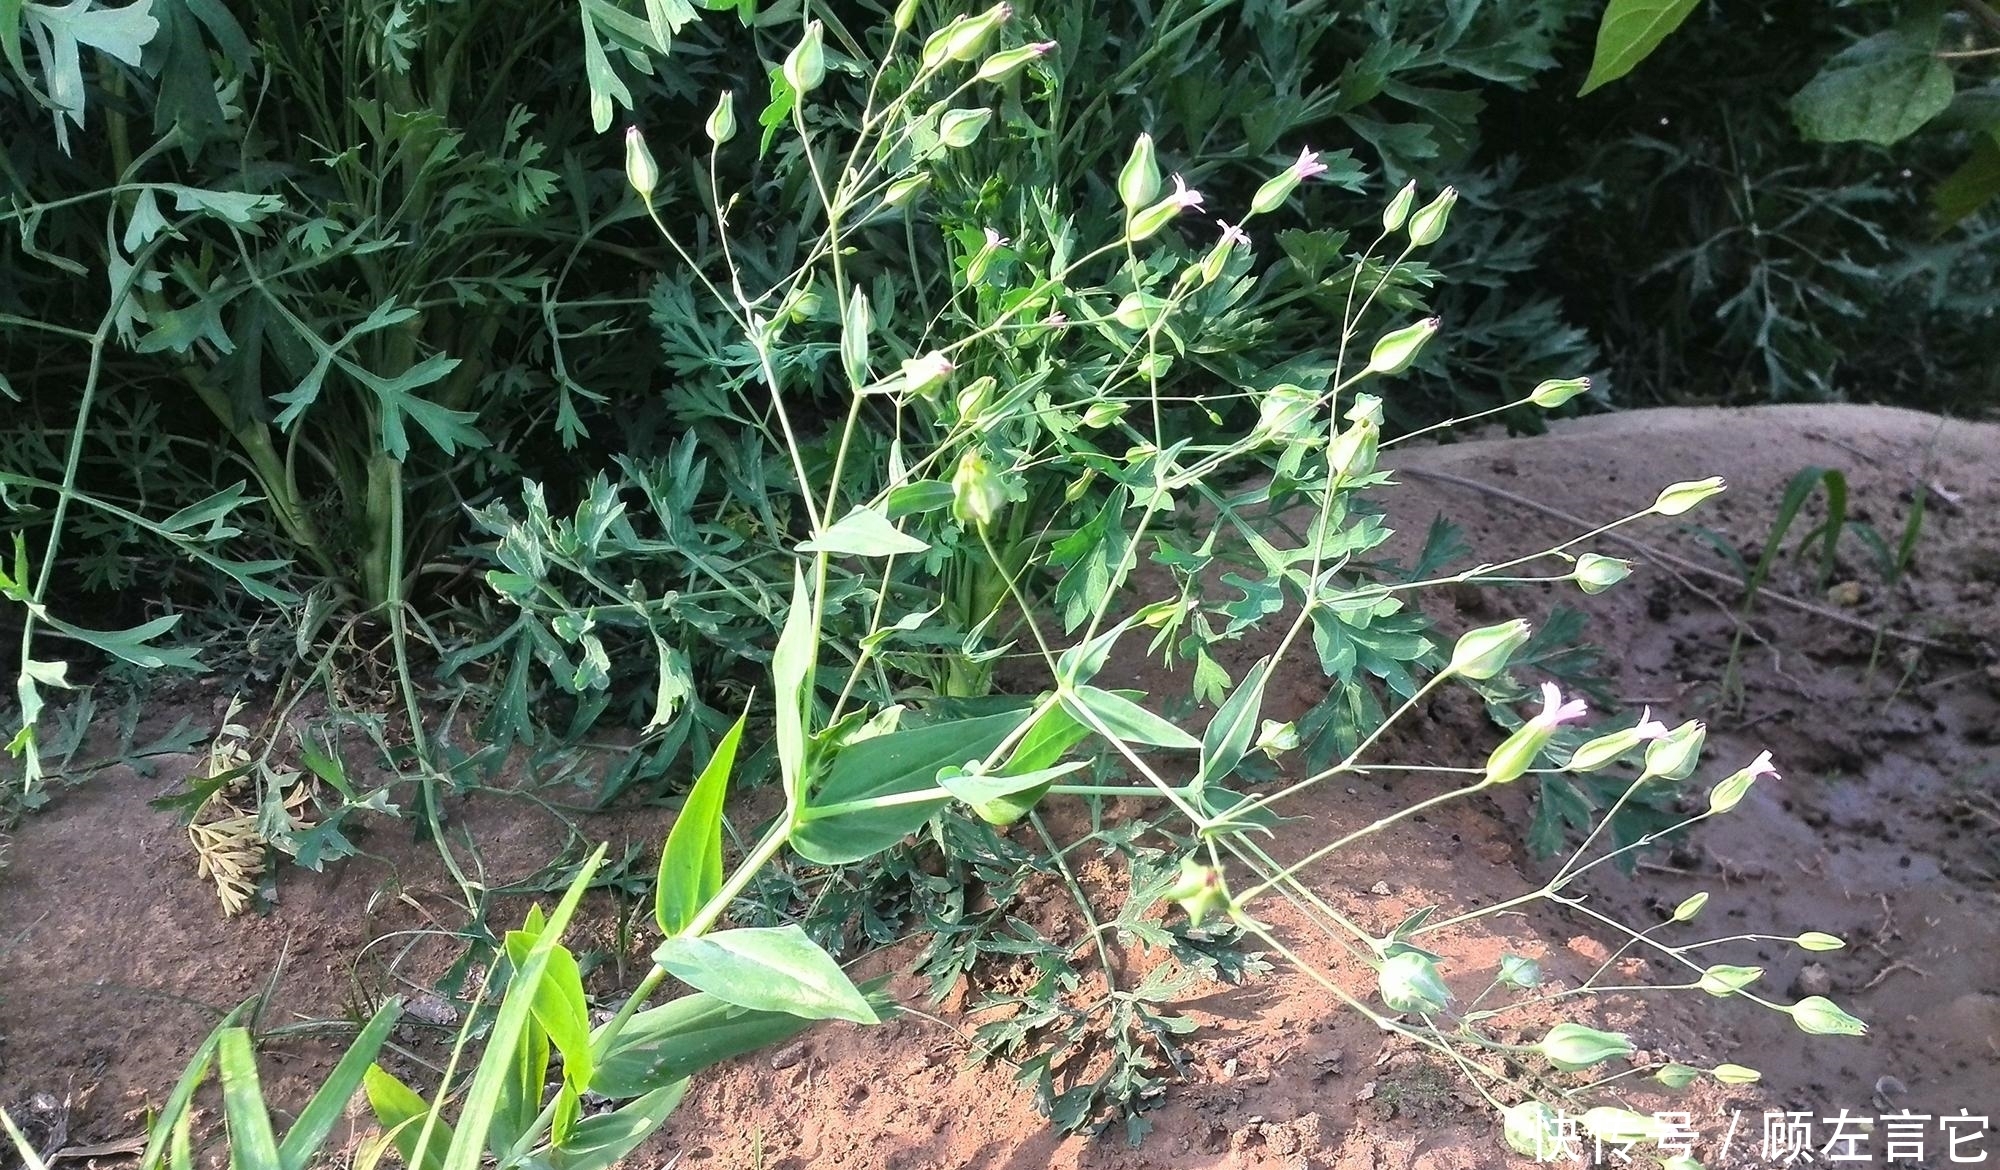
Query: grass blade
325, 1109
252, 1145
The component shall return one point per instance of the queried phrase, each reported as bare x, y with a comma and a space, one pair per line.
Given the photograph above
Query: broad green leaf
924, 495
1125, 719
597, 1143
468, 1146
1230, 733
1628, 34
899, 764
252, 1145
691, 863
329, 1104
401, 1111
792, 672
864, 532
1963, 192
559, 1004
775, 969
1881, 90
521, 1095
661, 1045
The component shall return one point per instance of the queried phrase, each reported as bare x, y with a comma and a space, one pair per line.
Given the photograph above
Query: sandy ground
1879, 701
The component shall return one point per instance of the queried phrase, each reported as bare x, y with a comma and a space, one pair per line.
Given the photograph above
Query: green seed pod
1007, 62
1735, 1074
961, 128
966, 39
1428, 222
1520, 972
1103, 413
1352, 452
1814, 940
1139, 310
805, 65
977, 493
1483, 653
1574, 1047
1724, 979
1533, 1130
1398, 210
1395, 351
1274, 739
1517, 753
923, 376
1609, 1124
906, 188
1139, 182
1679, 497
1595, 574
1689, 907
1199, 891
1556, 391
1288, 413
721, 124
1674, 755
1819, 1015
640, 169
1409, 982
1681, 1162
906, 15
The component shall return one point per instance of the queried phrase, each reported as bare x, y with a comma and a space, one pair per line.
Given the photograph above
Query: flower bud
1689, 907
1399, 207
923, 375
1428, 222
1199, 891
966, 37
1139, 182
1735, 1074
1138, 310
1103, 413
1274, 739
1212, 265
1595, 574
721, 125
1409, 982
1287, 413
1607, 749
977, 494
1556, 391
1520, 972
1814, 940
1395, 351
1732, 789
975, 396
1679, 497
1007, 62
1365, 408
1818, 1015
1352, 452
1623, 1126
640, 169
1279, 187
961, 128
1676, 1075
1674, 755
1533, 1130
1574, 1047
904, 189
1724, 979
1483, 653
1149, 220
805, 65
905, 15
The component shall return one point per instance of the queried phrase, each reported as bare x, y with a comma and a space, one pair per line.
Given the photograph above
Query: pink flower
1043, 48
996, 240
1308, 165
1649, 728
1762, 767
1231, 233
1183, 197
1555, 712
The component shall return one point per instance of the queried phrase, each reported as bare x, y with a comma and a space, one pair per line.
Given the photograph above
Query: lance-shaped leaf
773, 969
691, 863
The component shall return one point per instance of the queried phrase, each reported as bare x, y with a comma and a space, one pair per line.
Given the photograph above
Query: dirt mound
1872, 694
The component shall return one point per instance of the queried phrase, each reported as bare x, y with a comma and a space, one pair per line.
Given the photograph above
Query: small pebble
1813, 980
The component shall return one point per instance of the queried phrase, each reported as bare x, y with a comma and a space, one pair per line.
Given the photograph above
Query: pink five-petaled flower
1762, 767
1555, 712
1231, 233
996, 240
1308, 165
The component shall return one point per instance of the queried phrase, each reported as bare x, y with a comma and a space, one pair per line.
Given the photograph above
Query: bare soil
1879, 701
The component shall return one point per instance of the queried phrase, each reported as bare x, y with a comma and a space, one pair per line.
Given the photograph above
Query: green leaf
1230, 733
475, 1117
691, 863
1124, 719
900, 763
924, 495
985, 789
863, 532
1628, 34
774, 969
399, 1110
597, 1143
1880, 90
680, 1038
1972, 186
521, 1096
792, 672
61, 31
133, 645
559, 1005
329, 1103
176, 1108
252, 1145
